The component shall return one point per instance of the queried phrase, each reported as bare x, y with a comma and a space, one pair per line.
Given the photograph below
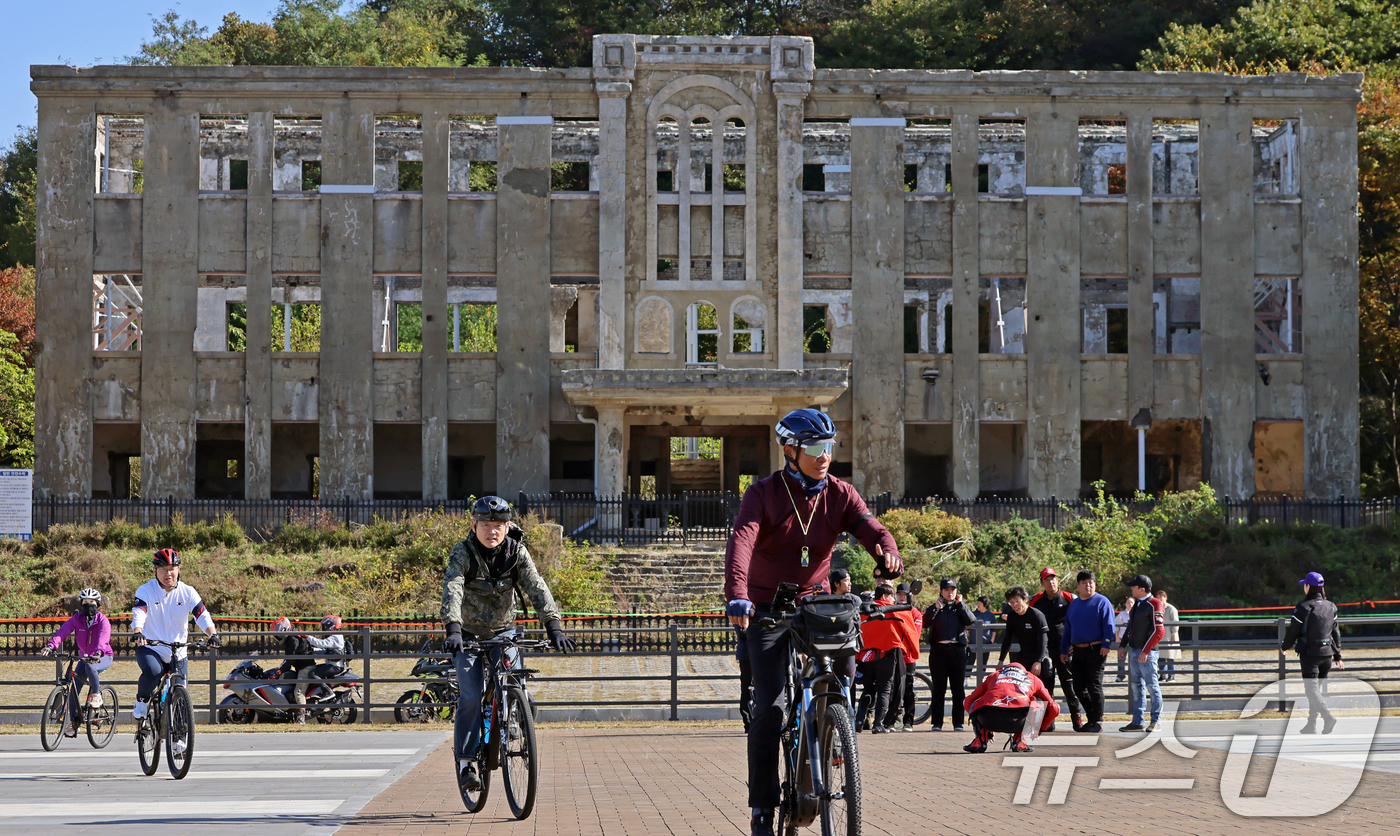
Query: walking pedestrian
947, 621
1053, 603
1120, 626
1314, 633
1145, 631
1171, 645
1084, 646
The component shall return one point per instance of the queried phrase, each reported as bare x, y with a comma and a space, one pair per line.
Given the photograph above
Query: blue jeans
471, 682
1142, 683
151, 668
87, 672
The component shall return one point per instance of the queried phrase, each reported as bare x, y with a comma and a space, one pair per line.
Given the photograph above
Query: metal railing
1199, 678
637, 520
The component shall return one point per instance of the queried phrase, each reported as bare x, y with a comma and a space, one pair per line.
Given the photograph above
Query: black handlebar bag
827, 625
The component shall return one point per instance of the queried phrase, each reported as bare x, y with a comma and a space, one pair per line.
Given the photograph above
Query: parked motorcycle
439, 686
267, 696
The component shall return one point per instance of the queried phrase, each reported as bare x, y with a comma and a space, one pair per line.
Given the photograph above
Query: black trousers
1056, 668
992, 718
886, 684
1086, 670
768, 650
907, 703
1315, 670
947, 665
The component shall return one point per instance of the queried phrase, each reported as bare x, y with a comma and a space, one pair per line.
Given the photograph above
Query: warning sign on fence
17, 503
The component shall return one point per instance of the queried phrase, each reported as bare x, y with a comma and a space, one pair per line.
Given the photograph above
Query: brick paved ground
687, 780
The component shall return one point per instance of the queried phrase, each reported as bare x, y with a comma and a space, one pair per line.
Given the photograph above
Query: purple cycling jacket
92, 641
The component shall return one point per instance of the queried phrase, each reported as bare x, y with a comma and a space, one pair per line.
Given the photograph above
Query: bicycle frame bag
827, 625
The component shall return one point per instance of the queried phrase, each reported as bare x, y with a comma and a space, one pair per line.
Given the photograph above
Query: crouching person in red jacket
1001, 704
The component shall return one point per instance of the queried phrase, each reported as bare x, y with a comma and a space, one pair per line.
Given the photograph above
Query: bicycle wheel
102, 722
54, 721
787, 805
519, 757
840, 771
179, 732
923, 698
148, 739
476, 799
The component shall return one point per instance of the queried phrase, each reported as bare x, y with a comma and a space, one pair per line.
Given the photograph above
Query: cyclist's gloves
138, 639
739, 608
893, 569
557, 637
453, 643
214, 641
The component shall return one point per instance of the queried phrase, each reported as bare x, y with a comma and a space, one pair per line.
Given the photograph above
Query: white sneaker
138, 710
178, 747
94, 701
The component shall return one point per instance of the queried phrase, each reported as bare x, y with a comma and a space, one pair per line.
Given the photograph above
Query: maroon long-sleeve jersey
766, 546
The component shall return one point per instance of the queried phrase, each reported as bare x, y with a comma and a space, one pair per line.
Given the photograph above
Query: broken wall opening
116, 460
471, 459
218, 461
223, 153
398, 460
1103, 156
1001, 148
1176, 152
928, 459
816, 334
1278, 315
297, 153
1001, 325
1103, 306
116, 312
471, 165
296, 450
1276, 157
1001, 459
120, 153
1109, 452
571, 451
826, 155
398, 153
1278, 459
928, 155
1176, 309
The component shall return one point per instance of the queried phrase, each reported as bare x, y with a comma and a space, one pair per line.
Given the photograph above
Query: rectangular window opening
471, 163
568, 176
296, 153
121, 153
1001, 157
911, 177
1175, 156
734, 177
398, 153
1278, 316
1104, 310
474, 327
665, 181
911, 329
1001, 329
410, 175
408, 326
116, 312
238, 175
1103, 156
1275, 144
221, 138
1176, 315
928, 151
813, 178
310, 175
816, 337
296, 327
826, 143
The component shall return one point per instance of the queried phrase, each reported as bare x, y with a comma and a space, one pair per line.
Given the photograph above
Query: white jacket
165, 616
332, 645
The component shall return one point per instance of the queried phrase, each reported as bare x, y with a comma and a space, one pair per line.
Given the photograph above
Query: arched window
747, 331
702, 334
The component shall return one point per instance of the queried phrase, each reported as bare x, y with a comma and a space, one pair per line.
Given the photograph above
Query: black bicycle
821, 765
507, 727
170, 717
57, 721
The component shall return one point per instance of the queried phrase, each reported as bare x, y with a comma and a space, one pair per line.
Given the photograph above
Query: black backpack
1316, 639
827, 625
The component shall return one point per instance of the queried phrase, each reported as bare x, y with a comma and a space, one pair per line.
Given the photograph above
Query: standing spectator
1001, 703
1314, 633
904, 595
1085, 644
1145, 631
984, 614
1171, 650
1026, 625
1120, 626
840, 582
1053, 603
947, 621
886, 636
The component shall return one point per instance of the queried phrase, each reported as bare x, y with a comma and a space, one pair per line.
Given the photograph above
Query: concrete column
610, 471
63, 299
561, 299
170, 285
346, 388
1228, 369
522, 303
790, 98
877, 304
612, 223
1331, 446
967, 458
436, 317
257, 358
1141, 344
1052, 301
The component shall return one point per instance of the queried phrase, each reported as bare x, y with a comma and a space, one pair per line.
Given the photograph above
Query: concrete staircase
669, 579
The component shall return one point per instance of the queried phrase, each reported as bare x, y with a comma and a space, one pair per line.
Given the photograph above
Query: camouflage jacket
486, 605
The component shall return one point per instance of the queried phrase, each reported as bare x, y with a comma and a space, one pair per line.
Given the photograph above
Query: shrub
854, 559
1109, 540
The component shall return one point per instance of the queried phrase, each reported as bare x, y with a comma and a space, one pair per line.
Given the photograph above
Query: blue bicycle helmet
805, 426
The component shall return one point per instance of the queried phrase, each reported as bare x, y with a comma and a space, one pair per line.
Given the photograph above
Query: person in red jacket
895, 637
1001, 704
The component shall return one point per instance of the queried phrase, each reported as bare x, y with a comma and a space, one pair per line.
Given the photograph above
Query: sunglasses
821, 448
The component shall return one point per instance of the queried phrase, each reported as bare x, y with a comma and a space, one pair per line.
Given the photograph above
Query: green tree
16, 405
18, 167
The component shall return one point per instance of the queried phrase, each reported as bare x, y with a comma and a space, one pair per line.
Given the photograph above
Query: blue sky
88, 32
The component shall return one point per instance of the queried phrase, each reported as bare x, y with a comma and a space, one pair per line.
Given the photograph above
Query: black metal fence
639, 520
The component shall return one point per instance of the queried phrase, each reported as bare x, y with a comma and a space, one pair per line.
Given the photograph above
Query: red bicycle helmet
166, 557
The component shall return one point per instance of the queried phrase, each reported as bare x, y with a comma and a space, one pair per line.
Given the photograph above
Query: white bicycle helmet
90, 594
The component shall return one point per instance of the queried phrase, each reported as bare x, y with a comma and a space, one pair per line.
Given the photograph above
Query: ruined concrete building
503, 279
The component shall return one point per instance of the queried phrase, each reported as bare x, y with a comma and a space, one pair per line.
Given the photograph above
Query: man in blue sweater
1085, 643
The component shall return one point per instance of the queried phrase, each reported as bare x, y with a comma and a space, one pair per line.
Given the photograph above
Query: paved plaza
664, 779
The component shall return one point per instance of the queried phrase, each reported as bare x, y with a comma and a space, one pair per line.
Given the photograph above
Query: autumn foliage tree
17, 308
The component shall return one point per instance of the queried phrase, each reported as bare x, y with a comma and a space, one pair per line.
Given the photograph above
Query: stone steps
668, 578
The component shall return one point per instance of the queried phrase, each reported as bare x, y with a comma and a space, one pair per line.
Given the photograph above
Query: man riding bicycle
162, 612
92, 632
479, 602
784, 532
